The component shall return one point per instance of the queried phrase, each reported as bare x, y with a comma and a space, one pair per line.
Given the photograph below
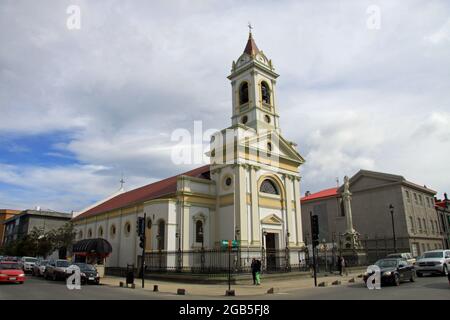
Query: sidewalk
242, 289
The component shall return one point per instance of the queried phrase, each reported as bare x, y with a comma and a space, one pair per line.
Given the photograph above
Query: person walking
342, 265
258, 272
254, 270
338, 265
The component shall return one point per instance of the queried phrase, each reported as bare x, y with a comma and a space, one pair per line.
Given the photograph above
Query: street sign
229, 244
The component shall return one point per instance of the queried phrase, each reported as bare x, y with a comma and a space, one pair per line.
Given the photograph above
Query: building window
269, 146
80, 235
127, 228
425, 225
112, 231
420, 224
161, 234
89, 233
420, 200
100, 232
267, 118
268, 186
244, 119
415, 199
411, 222
199, 231
432, 226
265, 92
414, 250
243, 93
408, 197
423, 248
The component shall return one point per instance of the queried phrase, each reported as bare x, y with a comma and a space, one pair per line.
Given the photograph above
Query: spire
251, 48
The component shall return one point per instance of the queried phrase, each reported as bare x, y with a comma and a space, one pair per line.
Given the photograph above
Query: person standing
254, 270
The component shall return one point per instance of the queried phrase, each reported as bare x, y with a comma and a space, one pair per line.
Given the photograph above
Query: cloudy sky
79, 107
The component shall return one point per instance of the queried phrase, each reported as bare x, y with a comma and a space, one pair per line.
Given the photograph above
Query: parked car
394, 271
28, 263
39, 268
403, 255
432, 262
56, 269
89, 273
11, 271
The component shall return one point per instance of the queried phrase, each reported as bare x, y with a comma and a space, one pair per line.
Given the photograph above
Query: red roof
151, 191
251, 48
332, 192
441, 203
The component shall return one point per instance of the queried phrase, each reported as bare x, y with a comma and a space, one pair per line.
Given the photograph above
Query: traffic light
140, 226
315, 229
142, 241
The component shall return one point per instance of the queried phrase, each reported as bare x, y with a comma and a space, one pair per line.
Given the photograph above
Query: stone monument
351, 247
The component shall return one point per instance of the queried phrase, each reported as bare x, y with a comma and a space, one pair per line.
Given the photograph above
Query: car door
404, 270
447, 257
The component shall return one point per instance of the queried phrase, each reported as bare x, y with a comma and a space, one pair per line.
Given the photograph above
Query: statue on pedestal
351, 243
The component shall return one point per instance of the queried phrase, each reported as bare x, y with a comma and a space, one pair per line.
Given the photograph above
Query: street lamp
391, 209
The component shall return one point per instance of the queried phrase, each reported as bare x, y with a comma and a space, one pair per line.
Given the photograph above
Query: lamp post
288, 262
177, 235
391, 209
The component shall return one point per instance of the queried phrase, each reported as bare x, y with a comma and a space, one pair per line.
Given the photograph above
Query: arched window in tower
265, 92
268, 186
243, 93
199, 231
161, 234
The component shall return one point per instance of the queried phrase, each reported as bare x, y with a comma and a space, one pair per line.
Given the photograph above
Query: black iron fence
218, 261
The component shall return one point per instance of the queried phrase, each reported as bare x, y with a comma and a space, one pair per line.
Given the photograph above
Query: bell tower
253, 83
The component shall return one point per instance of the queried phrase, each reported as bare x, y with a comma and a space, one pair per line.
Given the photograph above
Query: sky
363, 85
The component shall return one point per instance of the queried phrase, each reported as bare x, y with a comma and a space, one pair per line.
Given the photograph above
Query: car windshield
30, 259
438, 254
389, 263
9, 266
62, 263
85, 266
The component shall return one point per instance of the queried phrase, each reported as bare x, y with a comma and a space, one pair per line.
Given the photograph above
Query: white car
39, 268
28, 263
436, 261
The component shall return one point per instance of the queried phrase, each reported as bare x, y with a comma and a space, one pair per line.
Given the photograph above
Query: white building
253, 196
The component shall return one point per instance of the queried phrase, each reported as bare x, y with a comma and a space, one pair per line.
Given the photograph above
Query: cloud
350, 97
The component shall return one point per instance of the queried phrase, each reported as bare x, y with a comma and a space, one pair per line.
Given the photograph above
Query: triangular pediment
281, 147
365, 179
272, 219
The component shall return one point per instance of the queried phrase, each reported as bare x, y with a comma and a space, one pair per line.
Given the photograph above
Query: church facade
249, 192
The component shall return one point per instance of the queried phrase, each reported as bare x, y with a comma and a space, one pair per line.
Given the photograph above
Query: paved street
433, 288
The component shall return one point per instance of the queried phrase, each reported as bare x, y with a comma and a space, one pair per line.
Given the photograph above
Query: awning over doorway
98, 247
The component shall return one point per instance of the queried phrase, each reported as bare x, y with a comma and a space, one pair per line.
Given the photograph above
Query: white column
298, 213
256, 228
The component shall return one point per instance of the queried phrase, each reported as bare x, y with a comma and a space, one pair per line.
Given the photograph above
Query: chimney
307, 193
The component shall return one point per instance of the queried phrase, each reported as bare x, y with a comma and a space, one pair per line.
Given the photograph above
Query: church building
249, 192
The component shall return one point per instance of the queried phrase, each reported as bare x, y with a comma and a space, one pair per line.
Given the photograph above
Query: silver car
431, 262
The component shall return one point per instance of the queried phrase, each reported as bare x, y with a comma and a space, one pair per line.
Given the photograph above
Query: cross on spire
250, 27
121, 182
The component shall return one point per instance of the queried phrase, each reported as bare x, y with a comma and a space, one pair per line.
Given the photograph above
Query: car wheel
413, 277
445, 270
396, 280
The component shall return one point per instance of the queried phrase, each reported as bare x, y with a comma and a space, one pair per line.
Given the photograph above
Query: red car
11, 271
